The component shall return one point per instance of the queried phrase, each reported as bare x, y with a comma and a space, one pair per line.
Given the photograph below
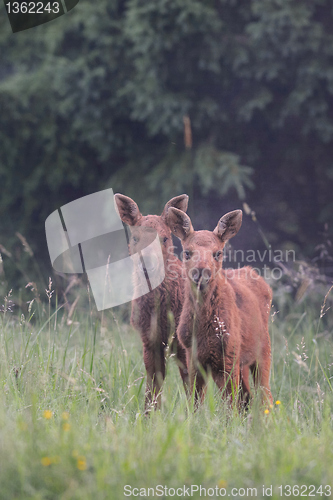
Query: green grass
98, 440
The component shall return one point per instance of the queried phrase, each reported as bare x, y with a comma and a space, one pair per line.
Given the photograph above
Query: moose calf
224, 321
157, 313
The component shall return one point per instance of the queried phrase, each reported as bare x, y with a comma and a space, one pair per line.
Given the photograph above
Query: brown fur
151, 312
224, 322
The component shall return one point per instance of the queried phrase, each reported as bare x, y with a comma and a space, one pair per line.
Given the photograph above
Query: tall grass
72, 422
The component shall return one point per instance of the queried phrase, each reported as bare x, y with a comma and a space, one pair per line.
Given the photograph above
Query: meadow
72, 423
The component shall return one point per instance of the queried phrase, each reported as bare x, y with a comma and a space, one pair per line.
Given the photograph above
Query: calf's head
203, 250
144, 228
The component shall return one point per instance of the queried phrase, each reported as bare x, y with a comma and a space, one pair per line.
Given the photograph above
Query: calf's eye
187, 254
135, 240
165, 239
217, 255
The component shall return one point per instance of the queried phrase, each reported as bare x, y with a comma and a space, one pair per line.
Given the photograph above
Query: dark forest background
97, 99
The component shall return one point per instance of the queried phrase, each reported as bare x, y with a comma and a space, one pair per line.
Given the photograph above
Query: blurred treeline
97, 99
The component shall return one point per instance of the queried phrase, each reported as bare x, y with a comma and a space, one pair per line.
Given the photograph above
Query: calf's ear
128, 210
179, 223
180, 202
229, 225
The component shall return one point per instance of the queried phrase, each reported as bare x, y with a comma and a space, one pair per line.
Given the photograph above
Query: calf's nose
202, 274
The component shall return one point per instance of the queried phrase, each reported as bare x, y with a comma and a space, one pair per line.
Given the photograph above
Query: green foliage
72, 421
97, 98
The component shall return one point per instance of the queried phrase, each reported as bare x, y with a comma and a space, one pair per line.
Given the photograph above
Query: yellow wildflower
23, 426
266, 411
277, 402
47, 414
81, 463
222, 484
46, 461
66, 426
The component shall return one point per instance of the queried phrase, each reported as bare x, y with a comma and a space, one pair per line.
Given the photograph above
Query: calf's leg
229, 383
261, 374
154, 360
182, 366
245, 386
197, 381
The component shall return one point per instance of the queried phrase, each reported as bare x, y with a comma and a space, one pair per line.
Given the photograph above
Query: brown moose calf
224, 322
157, 313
